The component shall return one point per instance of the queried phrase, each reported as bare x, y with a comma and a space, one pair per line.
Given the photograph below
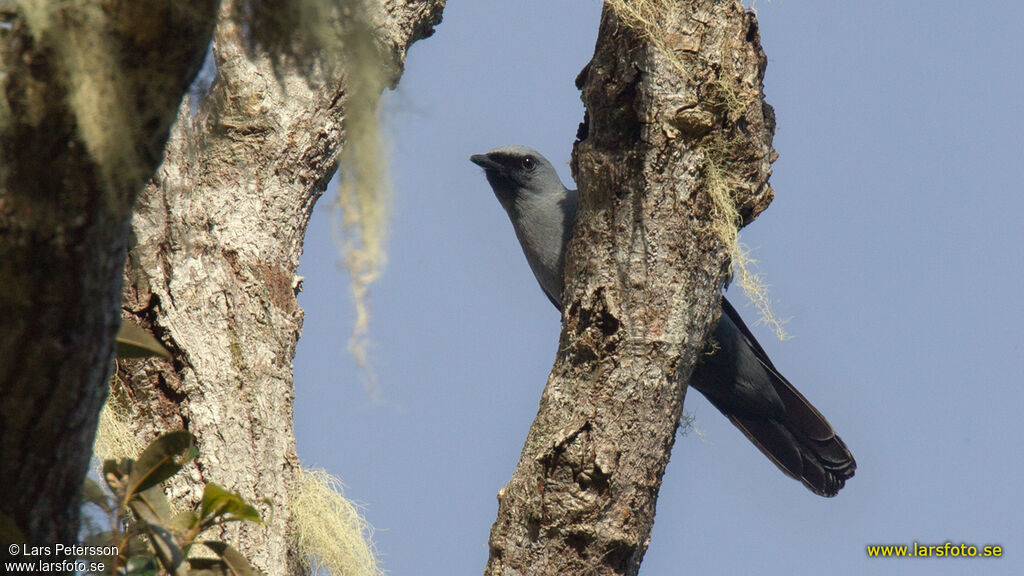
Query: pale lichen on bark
218, 236
89, 89
643, 280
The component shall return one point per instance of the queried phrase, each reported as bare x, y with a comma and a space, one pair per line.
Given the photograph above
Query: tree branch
675, 115
212, 270
89, 92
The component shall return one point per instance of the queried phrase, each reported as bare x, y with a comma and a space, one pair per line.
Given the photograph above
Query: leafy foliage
134, 342
149, 537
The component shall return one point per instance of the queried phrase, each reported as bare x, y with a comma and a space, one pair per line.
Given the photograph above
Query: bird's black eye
529, 163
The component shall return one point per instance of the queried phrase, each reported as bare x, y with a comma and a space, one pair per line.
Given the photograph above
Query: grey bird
737, 377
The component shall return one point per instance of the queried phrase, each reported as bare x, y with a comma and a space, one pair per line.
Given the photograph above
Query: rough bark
674, 111
212, 268
75, 149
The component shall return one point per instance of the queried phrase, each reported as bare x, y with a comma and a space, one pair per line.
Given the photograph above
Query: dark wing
769, 411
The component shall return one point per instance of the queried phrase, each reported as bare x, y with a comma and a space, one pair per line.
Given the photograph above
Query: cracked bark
64, 221
216, 242
643, 280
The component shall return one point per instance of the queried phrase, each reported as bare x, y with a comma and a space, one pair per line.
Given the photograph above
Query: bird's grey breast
543, 225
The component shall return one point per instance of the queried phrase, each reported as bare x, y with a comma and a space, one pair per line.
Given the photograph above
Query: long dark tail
802, 444
797, 438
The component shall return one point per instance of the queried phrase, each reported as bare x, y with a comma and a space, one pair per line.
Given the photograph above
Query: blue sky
893, 246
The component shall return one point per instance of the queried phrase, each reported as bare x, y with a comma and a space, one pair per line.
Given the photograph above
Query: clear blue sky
894, 245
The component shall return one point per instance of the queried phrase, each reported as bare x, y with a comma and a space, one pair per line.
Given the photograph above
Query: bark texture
89, 90
212, 266
675, 115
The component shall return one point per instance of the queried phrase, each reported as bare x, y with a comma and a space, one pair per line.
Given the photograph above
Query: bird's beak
484, 161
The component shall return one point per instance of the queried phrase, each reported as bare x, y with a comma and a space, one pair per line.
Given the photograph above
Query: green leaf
236, 563
184, 521
224, 506
134, 342
161, 460
136, 547
98, 540
141, 566
151, 505
207, 567
115, 473
93, 494
167, 550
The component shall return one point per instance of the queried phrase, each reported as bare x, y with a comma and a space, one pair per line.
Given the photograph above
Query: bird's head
514, 171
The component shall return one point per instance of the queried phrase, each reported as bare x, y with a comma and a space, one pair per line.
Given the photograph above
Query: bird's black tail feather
802, 444
800, 441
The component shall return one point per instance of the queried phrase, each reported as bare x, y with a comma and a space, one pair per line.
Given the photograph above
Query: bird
736, 375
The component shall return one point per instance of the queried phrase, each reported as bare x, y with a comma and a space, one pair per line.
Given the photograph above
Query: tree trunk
212, 268
89, 93
674, 154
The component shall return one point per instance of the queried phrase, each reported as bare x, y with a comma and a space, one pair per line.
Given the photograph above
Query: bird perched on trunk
737, 377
